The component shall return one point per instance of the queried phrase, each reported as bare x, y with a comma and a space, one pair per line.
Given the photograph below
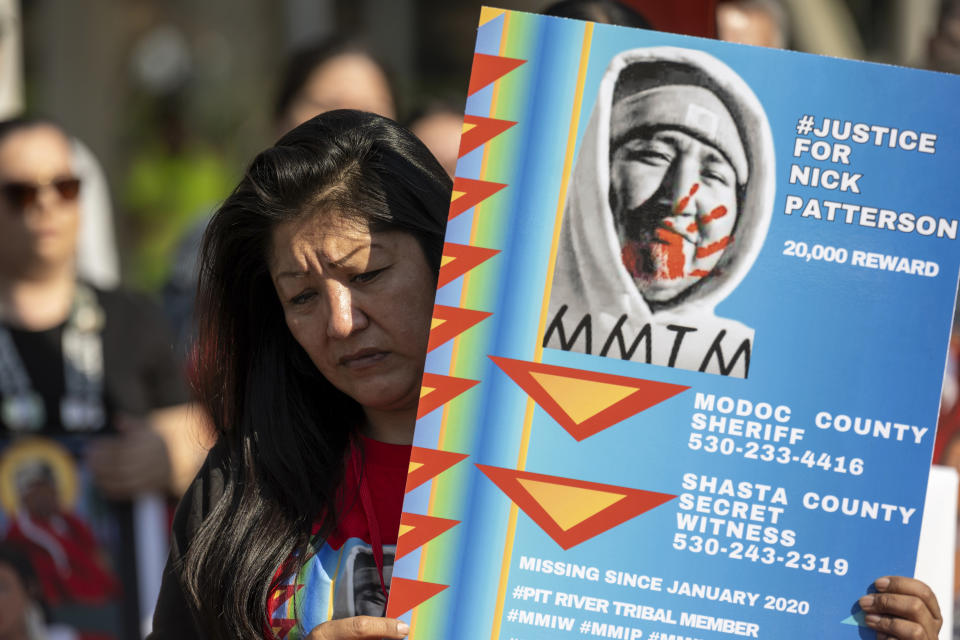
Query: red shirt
340, 576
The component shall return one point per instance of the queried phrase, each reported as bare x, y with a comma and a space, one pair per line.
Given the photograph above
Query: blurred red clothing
66, 558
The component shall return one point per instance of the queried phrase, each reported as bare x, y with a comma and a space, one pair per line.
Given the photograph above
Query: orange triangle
487, 69
572, 511
459, 258
481, 130
471, 193
441, 390
585, 402
417, 530
406, 594
451, 322
429, 464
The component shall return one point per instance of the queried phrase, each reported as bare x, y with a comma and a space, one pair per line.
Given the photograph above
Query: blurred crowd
97, 422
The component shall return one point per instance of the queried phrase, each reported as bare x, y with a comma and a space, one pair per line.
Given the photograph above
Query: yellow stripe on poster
538, 352
441, 437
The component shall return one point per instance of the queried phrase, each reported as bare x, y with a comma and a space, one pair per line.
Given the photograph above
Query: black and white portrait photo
358, 591
667, 209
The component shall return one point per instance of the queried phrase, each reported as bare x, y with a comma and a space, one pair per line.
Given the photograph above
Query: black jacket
174, 618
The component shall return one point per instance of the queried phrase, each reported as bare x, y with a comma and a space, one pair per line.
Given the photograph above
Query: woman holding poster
315, 297
316, 293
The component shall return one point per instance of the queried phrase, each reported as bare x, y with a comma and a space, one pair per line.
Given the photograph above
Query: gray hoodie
595, 306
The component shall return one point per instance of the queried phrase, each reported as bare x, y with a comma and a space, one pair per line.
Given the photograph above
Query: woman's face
41, 232
359, 303
346, 81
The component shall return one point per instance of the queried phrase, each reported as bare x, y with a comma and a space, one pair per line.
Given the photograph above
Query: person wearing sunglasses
85, 371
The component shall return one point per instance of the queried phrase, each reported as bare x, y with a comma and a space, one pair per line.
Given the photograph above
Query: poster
689, 340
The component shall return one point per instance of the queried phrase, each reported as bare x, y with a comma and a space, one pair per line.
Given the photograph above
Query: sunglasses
25, 194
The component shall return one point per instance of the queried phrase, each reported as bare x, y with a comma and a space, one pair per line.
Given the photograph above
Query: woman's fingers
359, 628
902, 608
910, 587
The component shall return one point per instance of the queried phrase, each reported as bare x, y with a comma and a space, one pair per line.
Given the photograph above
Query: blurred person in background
944, 48
173, 180
756, 22
439, 126
946, 450
79, 364
948, 423
761, 23
338, 73
950, 457
944, 55
602, 11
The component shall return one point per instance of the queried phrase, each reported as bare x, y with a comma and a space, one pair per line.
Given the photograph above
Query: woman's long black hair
285, 429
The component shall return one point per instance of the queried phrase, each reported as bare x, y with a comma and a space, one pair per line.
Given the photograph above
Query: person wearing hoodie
668, 208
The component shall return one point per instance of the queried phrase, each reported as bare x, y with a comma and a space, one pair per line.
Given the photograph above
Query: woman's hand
902, 609
359, 628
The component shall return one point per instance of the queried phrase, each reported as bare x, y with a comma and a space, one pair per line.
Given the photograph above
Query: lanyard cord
366, 501
81, 408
